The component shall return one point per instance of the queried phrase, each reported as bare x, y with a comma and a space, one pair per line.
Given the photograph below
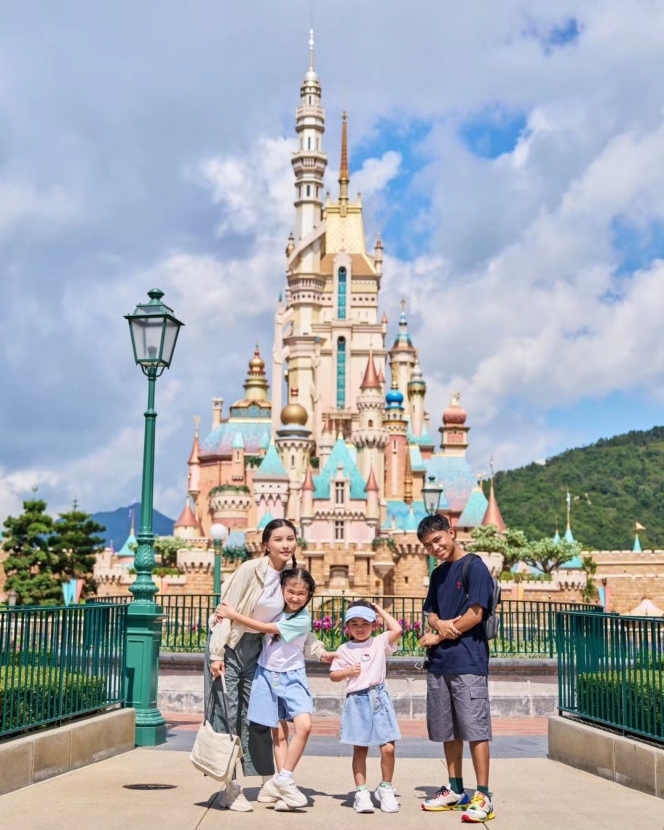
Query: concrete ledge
626, 761
51, 752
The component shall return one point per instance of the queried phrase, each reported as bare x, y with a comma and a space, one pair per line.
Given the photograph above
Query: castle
336, 448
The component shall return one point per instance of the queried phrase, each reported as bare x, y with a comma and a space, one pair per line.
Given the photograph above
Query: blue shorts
279, 695
369, 718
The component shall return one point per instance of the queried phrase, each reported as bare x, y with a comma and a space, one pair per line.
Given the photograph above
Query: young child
280, 691
368, 717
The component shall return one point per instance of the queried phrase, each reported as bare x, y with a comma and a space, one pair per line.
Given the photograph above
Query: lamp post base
142, 671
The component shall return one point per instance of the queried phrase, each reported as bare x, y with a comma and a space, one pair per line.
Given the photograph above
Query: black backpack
491, 620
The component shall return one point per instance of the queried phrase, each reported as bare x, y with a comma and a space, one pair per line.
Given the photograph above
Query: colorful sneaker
385, 796
480, 810
363, 802
446, 799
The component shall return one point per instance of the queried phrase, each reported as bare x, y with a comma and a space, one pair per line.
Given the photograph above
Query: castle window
338, 531
341, 295
339, 492
309, 143
394, 446
341, 373
310, 99
292, 461
308, 190
370, 423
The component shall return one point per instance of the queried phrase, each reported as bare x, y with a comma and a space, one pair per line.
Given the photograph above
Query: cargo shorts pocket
479, 702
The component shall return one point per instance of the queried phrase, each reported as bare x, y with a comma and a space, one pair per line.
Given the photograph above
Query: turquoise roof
473, 512
423, 440
637, 545
126, 551
271, 466
238, 441
411, 523
574, 564
416, 461
253, 432
401, 512
340, 456
458, 480
236, 539
556, 538
267, 518
568, 535
265, 440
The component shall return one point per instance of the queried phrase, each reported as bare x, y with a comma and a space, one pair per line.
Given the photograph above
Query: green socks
362, 787
457, 785
385, 783
484, 791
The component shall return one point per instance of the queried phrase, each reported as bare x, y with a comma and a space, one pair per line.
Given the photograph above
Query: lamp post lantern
219, 535
431, 493
154, 332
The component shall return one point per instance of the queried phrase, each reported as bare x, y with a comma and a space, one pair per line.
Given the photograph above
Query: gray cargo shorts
458, 707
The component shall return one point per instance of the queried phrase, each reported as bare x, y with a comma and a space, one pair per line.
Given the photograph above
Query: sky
511, 153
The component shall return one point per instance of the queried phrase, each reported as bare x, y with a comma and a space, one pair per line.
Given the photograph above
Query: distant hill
614, 483
118, 524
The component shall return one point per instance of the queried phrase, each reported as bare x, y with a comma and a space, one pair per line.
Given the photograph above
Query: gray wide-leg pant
240, 663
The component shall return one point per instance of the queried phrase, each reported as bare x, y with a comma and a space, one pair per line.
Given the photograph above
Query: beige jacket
242, 591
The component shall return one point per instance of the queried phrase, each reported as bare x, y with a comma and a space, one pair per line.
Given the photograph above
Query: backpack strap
467, 562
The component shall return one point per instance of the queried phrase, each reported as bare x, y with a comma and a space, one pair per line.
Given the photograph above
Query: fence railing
58, 663
611, 671
527, 628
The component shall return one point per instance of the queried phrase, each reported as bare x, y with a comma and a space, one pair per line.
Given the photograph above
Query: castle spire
344, 175
371, 379
311, 50
493, 515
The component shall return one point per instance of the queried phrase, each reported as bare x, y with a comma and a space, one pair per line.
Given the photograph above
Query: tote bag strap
210, 706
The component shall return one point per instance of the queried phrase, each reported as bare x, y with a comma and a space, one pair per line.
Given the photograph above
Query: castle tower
187, 526
454, 432
271, 486
403, 356
493, 515
417, 390
373, 500
397, 446
194, 463
370, 438
295, 446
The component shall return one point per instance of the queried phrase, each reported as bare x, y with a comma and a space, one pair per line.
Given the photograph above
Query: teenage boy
458, 666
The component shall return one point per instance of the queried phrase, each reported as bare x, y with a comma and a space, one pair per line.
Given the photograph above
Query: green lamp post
219, 535
431, 493
154, 333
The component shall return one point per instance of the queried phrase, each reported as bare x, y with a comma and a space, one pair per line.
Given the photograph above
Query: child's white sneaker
288, 792
386, 798
363, 803
266, 794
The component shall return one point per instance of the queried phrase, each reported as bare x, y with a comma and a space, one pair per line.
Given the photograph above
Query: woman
254, 590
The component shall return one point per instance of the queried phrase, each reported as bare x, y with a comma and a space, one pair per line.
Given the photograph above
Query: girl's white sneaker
386, 798
363, 802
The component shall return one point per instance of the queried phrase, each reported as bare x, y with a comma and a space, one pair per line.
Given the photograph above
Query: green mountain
118, 524
613, 483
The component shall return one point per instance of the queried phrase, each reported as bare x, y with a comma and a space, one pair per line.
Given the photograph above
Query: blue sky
512, 155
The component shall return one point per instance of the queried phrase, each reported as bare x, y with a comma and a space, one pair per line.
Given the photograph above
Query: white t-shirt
271, 602
371, 655
286, 652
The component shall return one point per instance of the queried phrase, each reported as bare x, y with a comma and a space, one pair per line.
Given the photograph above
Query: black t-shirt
469, 653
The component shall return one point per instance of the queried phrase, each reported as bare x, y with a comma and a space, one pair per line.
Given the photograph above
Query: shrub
632, 700
30, 696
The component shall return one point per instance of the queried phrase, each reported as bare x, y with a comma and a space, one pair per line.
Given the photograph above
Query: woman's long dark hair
298, 575
275, 524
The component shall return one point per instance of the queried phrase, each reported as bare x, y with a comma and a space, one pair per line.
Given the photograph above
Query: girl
280, 691
368, 717
254, 589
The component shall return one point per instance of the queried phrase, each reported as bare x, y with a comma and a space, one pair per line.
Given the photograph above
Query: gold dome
294, 413
256, 364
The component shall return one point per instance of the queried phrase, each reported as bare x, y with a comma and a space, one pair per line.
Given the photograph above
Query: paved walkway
529, 793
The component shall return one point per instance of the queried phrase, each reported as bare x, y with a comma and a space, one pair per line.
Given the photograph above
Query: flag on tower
638, 526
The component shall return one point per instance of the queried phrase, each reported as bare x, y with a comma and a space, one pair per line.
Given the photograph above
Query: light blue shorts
279, 695
369, 718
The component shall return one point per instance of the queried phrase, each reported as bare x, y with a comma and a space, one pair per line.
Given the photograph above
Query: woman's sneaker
234, 799
363, 802
289, 793
385, 796
446, 799
480, 810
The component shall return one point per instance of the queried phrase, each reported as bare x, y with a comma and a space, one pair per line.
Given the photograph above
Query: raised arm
394, 629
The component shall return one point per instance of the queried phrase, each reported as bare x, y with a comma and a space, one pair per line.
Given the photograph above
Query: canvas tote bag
216, 753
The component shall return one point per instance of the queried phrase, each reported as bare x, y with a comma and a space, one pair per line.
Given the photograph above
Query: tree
511, 544
589, 593
29, 566
547, 555
75, 543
